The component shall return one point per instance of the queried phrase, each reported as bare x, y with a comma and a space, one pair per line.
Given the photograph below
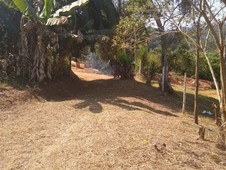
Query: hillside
92, 121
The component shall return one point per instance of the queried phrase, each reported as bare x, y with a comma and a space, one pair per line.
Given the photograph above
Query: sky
217, 8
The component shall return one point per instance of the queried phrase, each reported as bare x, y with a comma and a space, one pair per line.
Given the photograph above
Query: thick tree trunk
165, 83
36, 56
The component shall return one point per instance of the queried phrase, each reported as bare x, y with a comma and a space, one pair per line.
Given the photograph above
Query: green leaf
21, 5
48, 6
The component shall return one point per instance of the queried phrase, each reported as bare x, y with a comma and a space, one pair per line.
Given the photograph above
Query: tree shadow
93, 106
94, 94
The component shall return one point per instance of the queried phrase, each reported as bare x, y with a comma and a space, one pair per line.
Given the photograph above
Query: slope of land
92, 121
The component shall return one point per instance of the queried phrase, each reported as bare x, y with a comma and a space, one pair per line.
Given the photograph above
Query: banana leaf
69, 7
63, 20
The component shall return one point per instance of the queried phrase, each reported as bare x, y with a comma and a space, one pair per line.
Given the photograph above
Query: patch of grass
188, 124
3, 85
205, 100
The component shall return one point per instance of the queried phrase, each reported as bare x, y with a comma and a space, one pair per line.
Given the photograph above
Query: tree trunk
35, 55
221, 139
216, 115
165, 84
164, 65
196, 95
196, 87
223, 83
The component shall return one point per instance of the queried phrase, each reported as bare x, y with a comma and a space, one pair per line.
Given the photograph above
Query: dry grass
96, 122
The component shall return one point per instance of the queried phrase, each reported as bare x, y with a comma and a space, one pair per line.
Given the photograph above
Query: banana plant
93, 16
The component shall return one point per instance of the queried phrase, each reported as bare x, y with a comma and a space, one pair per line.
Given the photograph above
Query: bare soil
91, 121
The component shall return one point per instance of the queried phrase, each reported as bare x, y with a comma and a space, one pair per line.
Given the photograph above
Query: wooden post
214, 107
69, 71
184, 93
202, 132
163, 79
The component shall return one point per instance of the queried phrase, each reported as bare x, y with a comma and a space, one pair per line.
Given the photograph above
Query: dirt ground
92, 121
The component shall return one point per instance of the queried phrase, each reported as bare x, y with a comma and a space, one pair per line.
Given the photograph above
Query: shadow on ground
110, 91
105, 91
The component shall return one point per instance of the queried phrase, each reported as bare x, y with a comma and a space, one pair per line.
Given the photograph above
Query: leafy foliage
204, 68
153, 65
181, 59
131, 30
123, 66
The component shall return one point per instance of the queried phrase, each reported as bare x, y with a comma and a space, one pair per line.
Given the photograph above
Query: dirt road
95, 122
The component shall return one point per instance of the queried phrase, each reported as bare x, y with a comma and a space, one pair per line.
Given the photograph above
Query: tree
214, 20
197, 24
215, 23
157, 15
131, 33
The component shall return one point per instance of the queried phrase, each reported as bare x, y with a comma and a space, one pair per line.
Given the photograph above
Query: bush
181, 60
153, 64
122, 66
150, 62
